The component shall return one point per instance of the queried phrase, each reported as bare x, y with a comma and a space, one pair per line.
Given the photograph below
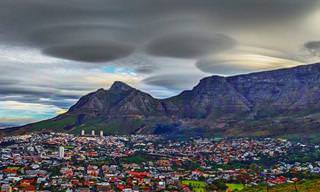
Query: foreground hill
278, 102
302, 186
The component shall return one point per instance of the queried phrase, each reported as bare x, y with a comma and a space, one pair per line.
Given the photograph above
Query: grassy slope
234, 187
70, 124
52, 124
114, 126
302, 186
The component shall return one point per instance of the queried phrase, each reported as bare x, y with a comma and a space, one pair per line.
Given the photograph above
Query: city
90, 162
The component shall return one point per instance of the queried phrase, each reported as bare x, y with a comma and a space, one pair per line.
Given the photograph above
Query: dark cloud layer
34, 95
59, 101
90, 52
73, 29
221, 67
313, 47
174, 81
189, 45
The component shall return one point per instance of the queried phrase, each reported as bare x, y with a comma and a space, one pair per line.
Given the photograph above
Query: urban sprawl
94, 162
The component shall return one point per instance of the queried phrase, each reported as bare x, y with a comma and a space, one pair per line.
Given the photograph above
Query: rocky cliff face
212, 95
286, 89
275, 102
119, 101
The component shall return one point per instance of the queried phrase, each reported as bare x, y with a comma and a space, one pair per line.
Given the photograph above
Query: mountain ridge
272, 102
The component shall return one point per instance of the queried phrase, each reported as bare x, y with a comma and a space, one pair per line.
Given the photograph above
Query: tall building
82, 132
6, 188
101, 133
92, 133
61, 152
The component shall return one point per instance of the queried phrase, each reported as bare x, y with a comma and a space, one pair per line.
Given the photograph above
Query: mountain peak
119, 85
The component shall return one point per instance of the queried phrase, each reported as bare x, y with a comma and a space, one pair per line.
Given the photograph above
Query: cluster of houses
65, 162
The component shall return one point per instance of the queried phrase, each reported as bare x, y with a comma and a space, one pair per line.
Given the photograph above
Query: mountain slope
119, 100
278, 102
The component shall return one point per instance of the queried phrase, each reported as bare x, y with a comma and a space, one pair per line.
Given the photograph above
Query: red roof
138, 174
278, 180
8, 170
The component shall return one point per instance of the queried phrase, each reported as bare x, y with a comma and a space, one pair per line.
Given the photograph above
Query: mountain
278, 102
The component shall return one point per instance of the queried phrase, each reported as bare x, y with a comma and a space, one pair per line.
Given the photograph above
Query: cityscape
90, 162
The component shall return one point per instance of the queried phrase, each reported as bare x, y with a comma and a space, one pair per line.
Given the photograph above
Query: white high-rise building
82, 132
6, 188
101, 133
93, 133
61, 152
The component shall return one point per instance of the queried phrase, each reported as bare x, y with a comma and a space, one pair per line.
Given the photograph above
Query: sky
53, 52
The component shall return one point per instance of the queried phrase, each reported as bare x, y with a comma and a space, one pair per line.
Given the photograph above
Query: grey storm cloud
313, 47
221, 67
84, 42
242, 62
174, 81
7, 82
37, 82
90, 52
140, 63
147, 69
189, 45
39, 91
59, 101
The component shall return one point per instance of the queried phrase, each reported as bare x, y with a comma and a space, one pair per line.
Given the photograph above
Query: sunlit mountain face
52, 52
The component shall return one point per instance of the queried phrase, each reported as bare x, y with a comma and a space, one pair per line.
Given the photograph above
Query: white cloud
33, 107
25, 55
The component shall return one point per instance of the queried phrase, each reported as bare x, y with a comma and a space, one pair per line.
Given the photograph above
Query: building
61, 152
6, 188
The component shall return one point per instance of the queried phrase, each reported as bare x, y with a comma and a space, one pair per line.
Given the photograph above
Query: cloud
245, 60
174, 81
89, 31
17, 113
189, 45
53, 84
90, 52
34, 107
239, 64
86, 42
313, 47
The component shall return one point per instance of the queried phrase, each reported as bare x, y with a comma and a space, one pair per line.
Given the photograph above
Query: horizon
50, 58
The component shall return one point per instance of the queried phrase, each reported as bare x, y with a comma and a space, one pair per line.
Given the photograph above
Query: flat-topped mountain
278, 102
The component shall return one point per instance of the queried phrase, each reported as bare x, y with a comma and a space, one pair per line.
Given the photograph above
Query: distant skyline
53, 52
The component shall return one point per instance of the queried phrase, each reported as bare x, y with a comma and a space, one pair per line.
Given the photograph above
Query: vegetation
312, 185
54, 124
135, 159
117, 126
235, 187
138, 158
196, 186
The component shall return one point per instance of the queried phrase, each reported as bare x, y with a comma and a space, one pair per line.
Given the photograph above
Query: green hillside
302, 186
